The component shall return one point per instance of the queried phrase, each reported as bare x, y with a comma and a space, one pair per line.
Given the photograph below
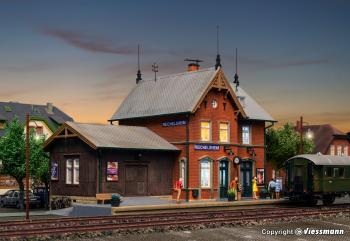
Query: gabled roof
252, 109
323, 136
171, 94
10, 110
114, 136
181, 93
319, 159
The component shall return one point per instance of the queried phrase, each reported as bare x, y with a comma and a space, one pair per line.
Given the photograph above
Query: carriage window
328, 172
341, 172
336, 172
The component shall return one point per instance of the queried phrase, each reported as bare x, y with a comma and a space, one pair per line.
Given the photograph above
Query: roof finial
155, 70
236, 81
138, 75
218, 60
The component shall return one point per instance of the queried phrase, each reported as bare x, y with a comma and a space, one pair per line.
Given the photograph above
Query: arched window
205, 165
183, 171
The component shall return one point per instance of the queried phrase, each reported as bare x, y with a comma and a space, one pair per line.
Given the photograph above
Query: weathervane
155, 70
138, 75
236, 81
218, 60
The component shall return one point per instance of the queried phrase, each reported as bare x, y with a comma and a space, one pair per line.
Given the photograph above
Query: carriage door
223, 178
246, 178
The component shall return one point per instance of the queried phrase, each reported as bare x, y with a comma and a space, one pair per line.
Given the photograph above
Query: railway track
112, 223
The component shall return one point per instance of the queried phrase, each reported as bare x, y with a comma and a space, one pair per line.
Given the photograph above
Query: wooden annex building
204, 128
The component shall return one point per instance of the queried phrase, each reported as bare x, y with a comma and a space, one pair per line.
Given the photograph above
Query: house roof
10, 110
253, 110
323, 136
319, 159
178, 93
118, 137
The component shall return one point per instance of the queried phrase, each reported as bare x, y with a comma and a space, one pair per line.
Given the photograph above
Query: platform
171, 205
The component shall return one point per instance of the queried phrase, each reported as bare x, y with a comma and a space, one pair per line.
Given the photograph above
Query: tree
12, 154
284, 143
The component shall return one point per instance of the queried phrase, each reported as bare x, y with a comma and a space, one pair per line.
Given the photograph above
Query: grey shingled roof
10, 110
121, 137
320, 159
252, 109
178, 93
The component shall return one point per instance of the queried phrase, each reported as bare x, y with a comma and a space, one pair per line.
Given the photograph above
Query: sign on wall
174, 123
112, 171
260, 175
54, 170
206, 147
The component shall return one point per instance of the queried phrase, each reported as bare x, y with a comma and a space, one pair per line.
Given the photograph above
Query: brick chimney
193, 65
49, 108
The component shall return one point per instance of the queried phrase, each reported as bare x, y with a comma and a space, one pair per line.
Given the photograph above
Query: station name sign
174, 123
206, 147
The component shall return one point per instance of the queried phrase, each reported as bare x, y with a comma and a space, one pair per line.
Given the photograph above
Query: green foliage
231, 192
12, 154
284, 143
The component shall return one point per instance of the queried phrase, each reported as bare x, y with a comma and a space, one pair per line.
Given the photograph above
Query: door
223, 175
246, 178
136, 180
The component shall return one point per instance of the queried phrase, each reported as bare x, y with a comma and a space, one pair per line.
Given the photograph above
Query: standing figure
255, 188
272, 188
178, 186
277, 189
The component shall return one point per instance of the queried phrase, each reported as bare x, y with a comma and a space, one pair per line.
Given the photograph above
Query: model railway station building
197, 125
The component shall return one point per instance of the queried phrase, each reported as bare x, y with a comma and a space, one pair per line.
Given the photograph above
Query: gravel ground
250, 231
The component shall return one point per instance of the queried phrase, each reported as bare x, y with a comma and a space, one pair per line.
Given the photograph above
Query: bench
102, 197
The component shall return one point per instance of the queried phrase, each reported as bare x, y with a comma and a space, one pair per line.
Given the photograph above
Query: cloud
88, 42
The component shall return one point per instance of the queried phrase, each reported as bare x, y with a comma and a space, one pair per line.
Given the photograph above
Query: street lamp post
309, 134
27, 167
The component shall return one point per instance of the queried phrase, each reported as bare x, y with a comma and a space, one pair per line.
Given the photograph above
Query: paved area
244, 233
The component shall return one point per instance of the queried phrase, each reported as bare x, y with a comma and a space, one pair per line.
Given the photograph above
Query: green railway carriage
312, 177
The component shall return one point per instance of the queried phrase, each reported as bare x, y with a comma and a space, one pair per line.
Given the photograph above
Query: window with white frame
205, 131
346, 151
332, 150
246, 135
183, 171
224, 132
339, 153
205, 174
72, 171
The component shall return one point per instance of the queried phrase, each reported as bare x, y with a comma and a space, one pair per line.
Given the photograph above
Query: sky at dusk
294, 56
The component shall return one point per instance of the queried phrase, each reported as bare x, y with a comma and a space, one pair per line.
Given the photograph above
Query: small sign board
206, 147
174, 123
54, 170
112, 171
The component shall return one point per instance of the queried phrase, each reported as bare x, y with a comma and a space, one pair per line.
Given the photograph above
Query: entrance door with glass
223, 175
246, 178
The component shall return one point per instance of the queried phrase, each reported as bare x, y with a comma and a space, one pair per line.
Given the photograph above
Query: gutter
272, 123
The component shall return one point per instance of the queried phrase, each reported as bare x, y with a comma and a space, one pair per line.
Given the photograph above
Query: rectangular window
341, 172
328, 172
346, 150
2, 125
246, 135
205, 174
76, 171
224, 132
72, 171
336, 172
339, 151
205, 131
332, 150
69, 174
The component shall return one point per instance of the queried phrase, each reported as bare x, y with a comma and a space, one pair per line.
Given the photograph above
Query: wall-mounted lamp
251, 151
228, 150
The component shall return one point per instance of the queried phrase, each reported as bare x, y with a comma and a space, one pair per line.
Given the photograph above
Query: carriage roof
324, 160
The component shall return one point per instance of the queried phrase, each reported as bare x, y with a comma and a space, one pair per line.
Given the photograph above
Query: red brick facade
226, 111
